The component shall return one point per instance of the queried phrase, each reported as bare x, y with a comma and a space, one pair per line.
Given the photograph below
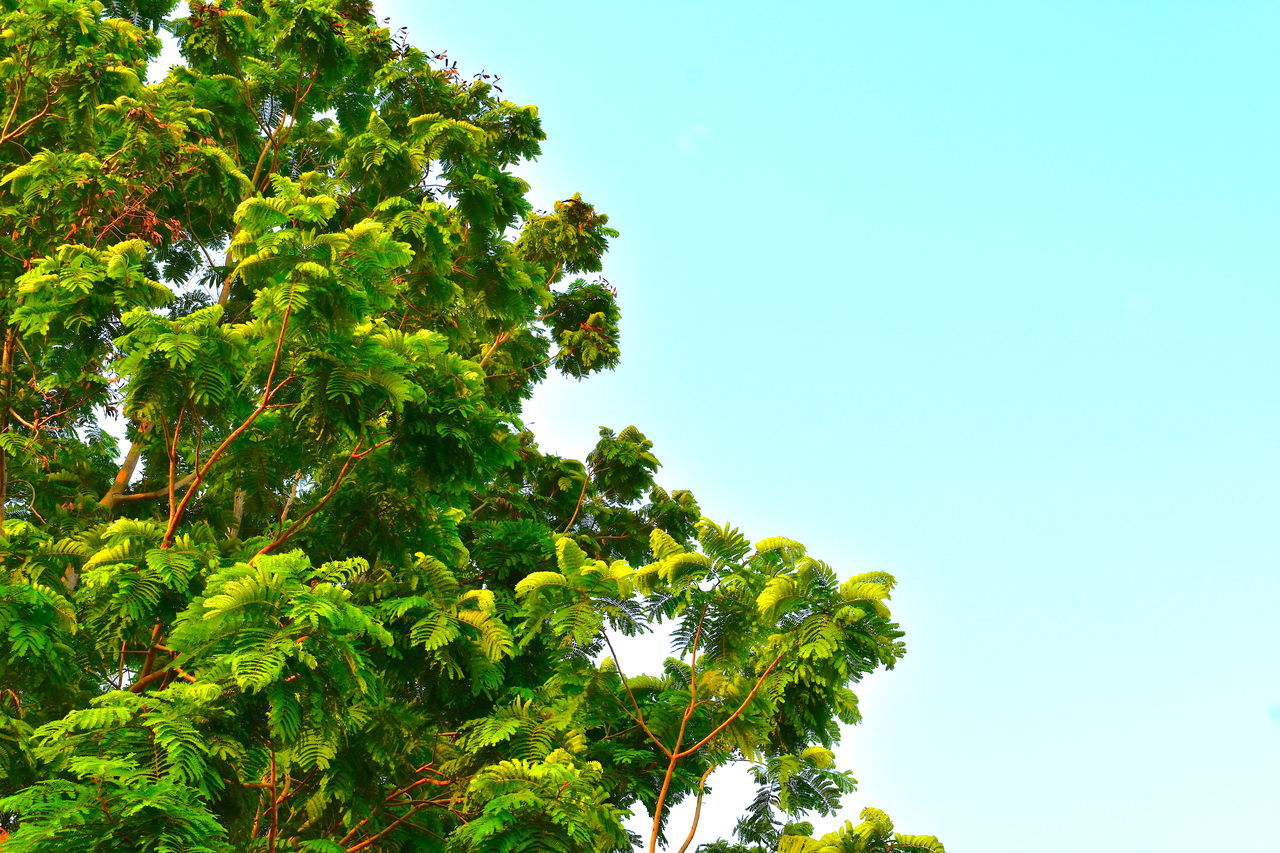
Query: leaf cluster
327, 593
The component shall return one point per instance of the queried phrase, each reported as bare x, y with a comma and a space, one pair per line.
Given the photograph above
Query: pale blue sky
983, 294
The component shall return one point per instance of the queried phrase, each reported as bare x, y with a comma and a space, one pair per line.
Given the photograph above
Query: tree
331, 596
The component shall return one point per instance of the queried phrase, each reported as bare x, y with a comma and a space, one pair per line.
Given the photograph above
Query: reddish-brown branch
426, 768
18, 93
675, 754
759, 683
697, 811
6, 134
344, 839
41, 420
266, 149
6, 370
155, 493
275, 808
422, 828
268, 390
638, 717
505, 336
150, 660
171, 448
397, 822
693, 664
257, 815
146, 681
355, 456
124, 645
121, 482
441, 783
135, 208
586, 480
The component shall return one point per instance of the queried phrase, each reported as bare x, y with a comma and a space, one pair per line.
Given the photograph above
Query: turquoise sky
983, 294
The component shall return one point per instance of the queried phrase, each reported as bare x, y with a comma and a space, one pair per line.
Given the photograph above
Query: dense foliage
329, 595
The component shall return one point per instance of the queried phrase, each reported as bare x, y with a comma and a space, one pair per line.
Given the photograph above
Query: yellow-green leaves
775, 595
537, 580
78, 288
581, 598
875, 834
555, 804
871, 588
282, 566
820, 757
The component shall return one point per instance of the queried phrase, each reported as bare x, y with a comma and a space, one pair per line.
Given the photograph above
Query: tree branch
501, 339
121, 482
155, 493
518, 371
267, 391
368, 841
275, 810
759, 683
697, 811
160, 674
150, 660
675, 754
6, 370
7, 134
586, 480
639, 717
355, 456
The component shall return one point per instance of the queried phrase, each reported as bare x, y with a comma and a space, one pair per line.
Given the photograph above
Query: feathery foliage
328, 594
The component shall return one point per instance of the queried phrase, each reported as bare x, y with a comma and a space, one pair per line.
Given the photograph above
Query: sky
982, 294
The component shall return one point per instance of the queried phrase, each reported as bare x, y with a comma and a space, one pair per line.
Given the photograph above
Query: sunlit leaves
328, 594
555, 804
874, 834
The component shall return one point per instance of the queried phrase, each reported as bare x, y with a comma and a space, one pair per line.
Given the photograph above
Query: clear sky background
983, 294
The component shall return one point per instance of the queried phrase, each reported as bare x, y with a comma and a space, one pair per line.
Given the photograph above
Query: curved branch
154, 493
697, 811
586, 480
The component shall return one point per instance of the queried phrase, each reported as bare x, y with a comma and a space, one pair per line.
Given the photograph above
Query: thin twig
639, 717
586, 479
368, 841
